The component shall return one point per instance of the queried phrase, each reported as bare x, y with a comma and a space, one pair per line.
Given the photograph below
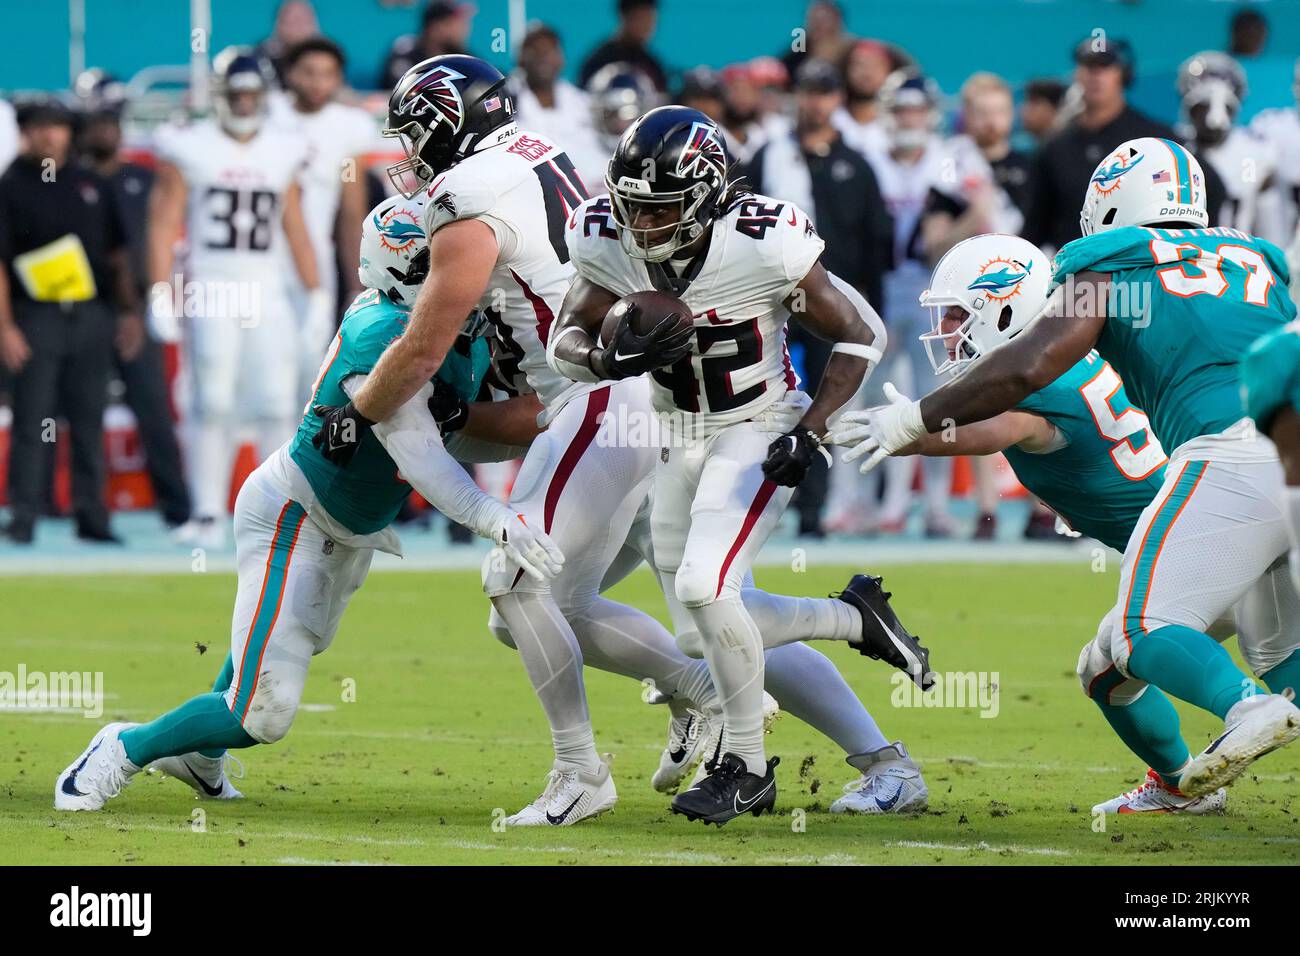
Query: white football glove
531, 550
879, 432
162, 321
318, 324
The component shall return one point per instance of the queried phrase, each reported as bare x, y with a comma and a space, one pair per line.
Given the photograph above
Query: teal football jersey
1270, 374
365, 496
1111, 467
1185, 306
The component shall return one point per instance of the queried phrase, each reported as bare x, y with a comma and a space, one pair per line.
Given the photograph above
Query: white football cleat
209, 533
207, 775
711, 736
686, 739
891, 782
1156, 796
98, 775
1253, 727
571, 794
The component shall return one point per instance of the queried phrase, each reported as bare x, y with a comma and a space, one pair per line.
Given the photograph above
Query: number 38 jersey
523, 189
758, 251
235, 197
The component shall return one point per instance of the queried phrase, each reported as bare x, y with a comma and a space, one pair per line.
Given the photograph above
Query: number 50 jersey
235, 198
757, 252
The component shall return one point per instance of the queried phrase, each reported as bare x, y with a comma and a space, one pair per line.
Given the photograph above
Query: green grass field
445, 733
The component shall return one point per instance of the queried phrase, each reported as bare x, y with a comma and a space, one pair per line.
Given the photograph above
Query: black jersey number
251, 232
756, 218
563, 191
722, 350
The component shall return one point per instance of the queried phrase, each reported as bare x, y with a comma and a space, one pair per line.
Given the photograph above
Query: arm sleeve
410, 436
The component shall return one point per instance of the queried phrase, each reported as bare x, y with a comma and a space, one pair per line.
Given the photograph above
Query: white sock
734, 649
806, 684
553, 660
782, 619
211, 458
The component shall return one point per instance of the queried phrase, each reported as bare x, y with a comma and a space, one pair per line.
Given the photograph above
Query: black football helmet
237, 70
672, 158
442, 110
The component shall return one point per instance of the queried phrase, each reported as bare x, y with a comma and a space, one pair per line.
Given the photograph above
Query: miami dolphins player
1270, 385
305, 534
1173, 306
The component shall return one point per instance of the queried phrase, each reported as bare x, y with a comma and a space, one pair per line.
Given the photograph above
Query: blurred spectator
1280, 128
1103, 70
630, 44
1247, 33
550, 105
63, 267
444, 28
334, 198
1040, 108
813, 168
620, 93
866, 67
1212, 86
701, 89
823, 37
753, 94
143, 376
295, 21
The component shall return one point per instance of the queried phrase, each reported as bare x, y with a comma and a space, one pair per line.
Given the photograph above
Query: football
652, 308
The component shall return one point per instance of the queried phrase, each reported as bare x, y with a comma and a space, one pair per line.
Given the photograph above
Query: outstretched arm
1036, 357
1031, 432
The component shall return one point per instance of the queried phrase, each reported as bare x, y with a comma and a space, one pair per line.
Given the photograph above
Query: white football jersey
333, 136
758, 252
1244, 163
236, 192
524, 189
1280, 128
569, 121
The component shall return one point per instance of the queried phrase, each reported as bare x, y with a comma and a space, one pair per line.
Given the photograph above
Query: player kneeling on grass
305, 533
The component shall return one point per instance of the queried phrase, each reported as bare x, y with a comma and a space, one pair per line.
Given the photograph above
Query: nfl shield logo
663, 454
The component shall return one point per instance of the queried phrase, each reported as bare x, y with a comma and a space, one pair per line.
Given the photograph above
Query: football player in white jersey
1280, 128
334, 196
1212, 86
230, 184
742, 264
497, 204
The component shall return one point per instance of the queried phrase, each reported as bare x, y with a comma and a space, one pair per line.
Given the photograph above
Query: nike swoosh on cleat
742, 805
889, 804
209, 790
556, 821
69, 785
898, 643
1222, 737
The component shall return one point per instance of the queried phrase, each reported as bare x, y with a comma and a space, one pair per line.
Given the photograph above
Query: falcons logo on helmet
436, 91
704, 154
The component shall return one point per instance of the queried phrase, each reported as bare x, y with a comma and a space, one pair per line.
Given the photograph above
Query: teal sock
220, 686
1149, 728
1191, 666
203, 723
1284, 675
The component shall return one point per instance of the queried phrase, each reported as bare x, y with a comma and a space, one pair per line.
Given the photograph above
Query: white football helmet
1144, 182
999, 282
394, 249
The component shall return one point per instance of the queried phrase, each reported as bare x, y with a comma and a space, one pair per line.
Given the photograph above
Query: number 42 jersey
757, 252
235, 198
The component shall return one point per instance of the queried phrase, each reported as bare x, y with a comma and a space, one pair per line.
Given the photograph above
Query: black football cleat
883, 636
729, 791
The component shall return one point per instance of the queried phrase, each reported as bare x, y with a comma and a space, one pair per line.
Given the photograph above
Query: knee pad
691, 644
272, 709
694, 588
499, 630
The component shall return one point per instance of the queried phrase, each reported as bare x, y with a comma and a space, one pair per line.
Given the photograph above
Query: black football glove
631, 354
341, 431
791, 455
448, 409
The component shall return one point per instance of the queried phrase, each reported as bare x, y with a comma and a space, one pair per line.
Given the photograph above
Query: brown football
652, 307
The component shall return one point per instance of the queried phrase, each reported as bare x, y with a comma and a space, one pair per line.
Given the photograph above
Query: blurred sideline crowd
893, 171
